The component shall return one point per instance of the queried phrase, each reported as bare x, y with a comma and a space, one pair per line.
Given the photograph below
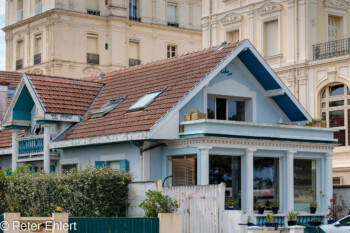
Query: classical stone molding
216, 142
337, 4
231, 18
269, 8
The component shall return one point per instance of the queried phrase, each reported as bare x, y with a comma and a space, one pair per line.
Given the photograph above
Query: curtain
92, 5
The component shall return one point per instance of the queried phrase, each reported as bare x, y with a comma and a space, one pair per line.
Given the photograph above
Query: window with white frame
171, 51
335, 109
225, 108
232, 36
270, 38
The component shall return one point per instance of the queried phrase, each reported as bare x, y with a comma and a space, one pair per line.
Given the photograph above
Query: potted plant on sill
270, 221
275, 207
317, 122
313, 206
197, 115
260, 209
230, 204
315, 222
292, 218
187, 117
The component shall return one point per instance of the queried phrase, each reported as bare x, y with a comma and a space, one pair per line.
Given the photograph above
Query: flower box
198, 116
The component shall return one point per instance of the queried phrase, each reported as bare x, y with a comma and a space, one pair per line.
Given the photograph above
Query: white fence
200, 206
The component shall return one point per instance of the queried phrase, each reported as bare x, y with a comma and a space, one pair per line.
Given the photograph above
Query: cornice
231, 18
337, 4
269, 8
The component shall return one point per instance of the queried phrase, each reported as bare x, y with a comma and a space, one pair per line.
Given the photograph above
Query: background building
307, 44
82, 38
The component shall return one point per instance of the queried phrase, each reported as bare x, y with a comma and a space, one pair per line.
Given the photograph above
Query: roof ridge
61, 78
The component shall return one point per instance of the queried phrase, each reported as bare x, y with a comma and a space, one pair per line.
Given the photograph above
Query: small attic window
145, 100
109, 106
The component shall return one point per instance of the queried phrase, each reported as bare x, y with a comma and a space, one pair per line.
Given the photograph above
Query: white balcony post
14, 147
249, 169
47, 128
329, 179
204, 164
289, 181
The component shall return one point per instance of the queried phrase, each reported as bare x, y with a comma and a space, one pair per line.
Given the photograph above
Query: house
253, 136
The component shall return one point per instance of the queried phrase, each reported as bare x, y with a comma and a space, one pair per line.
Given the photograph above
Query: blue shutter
9, 172
52, 168
100, 164
124, 165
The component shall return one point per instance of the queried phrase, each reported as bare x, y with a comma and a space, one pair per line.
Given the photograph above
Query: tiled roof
178, 75
65, 96
6, 138
11, 78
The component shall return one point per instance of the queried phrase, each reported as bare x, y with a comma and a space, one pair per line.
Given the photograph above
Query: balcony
31, 145
173, 24
135, 18
19, 64
93, 58
134, 62
252, 130
93, 12
331, 49
37, 59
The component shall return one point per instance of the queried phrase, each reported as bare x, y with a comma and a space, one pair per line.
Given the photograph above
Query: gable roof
64, 96
178, 76
10, 78
6, 138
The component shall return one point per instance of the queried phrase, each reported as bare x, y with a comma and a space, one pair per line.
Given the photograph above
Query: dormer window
225, 108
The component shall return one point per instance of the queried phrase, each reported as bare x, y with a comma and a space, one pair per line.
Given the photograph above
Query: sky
2, 35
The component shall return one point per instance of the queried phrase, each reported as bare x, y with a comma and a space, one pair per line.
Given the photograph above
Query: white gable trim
215, 71
24, 82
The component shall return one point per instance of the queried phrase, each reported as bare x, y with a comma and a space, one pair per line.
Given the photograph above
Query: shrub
89, 192
157, 203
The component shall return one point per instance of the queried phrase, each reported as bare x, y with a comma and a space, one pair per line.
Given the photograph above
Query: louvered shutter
184, 171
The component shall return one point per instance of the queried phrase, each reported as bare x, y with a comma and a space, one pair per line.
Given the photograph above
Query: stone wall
342, 192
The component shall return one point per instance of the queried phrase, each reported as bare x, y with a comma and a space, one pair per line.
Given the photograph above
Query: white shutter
172, 12
270, 38
333, 24
133, 50
92, 5
92, 44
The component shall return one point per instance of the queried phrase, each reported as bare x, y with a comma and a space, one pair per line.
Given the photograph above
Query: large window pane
211, 108
266, 181
226, 169
336, 103
336, 118
304, 183
336, 90
220, 109
236, 110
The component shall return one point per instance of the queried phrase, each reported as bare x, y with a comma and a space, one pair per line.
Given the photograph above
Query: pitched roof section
65, 96
6, 138
11, 79
178, 75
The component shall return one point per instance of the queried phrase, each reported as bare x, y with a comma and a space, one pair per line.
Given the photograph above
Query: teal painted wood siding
1, 219
32, 145
115, 225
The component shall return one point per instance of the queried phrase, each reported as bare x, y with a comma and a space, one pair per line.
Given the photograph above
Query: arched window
335, 108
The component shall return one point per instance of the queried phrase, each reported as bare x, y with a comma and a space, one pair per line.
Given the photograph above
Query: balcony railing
93, 12
37, 59
173, 24
134, 62
19, 64
135, 18
93, 58
33, 145
330, 49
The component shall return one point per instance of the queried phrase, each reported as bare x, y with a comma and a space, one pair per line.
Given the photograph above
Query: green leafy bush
157, 203
89, 192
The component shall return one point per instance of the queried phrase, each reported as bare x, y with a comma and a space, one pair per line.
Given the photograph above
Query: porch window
184, 170
304, 183
266, 181
226, 169
225, 109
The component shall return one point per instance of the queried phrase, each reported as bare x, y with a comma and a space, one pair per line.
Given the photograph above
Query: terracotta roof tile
6, 138
65, 96
178, 75
11, 79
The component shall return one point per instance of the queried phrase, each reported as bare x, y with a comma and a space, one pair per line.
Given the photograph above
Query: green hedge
89, 192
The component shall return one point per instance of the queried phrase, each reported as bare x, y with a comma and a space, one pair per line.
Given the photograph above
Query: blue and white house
252, 135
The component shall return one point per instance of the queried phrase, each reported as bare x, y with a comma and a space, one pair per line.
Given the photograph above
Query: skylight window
145, 100
109, 106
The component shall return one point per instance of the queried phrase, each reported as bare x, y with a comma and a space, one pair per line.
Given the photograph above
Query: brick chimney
3, 98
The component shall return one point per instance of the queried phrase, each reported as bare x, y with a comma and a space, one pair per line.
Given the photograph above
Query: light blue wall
88, 155
195, 103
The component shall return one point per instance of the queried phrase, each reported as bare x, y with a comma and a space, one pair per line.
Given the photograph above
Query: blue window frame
146, 100
133, 9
